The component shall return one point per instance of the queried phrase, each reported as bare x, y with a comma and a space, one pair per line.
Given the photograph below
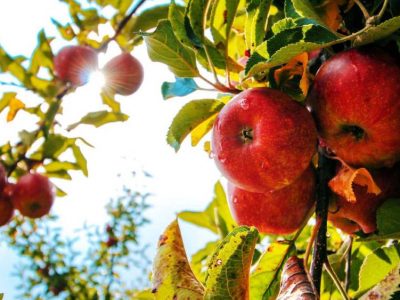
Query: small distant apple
263, 140
33, 195
275, 212
123, 74
352, 217
75, 63
356, 101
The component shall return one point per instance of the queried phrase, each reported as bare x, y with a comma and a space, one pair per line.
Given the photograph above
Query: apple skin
123, 74
263, 140
75, 63
6, 210
275, 212
356, 102
33, 195
361, 215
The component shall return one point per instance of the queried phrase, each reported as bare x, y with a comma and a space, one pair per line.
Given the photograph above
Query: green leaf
378, 32
54, 145
181, 87
163, 46
387, 288
256, 19
264, 281
42, 55
377, 266
222, 15
287, 44
172, 275
56, 166
176, 16
143, 295
305, 9
100, 118
67, 32
194, 19
229, 267
201, 258
27, 137
80, 159
191, 115
62, 174
148, 19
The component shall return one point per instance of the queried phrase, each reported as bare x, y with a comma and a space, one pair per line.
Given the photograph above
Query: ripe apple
355, 98
75, 63
263, 140
6, 210
33, 195
274, 212
361, 215
123, 74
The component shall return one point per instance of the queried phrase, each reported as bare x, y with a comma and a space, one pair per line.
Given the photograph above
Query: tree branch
325, 172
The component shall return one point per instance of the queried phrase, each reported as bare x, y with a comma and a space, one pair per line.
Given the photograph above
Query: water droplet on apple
244, 104
235, 200
222, 159
264, 165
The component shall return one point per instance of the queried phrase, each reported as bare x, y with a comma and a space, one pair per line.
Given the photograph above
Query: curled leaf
342, 183
294, 282
172, 276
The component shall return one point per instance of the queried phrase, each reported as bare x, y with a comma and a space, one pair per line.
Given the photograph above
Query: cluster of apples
263, 142
33, 195
123, 73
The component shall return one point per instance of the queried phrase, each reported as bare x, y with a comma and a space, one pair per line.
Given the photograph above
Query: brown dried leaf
342, 183
295, 284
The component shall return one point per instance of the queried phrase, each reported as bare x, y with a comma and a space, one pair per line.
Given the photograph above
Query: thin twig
310, 244
382, 11
348, 265
336, 280
122, 24
363, 9
325, 172
12, 84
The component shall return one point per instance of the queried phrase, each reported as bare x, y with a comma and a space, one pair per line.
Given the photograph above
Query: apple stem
325, 171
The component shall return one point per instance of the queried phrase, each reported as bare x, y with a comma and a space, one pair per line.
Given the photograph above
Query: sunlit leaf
264, 280
109, 100
100, 118
387, 288
15, 106
172, 275
201, 130
377, 266
5, 100
80, 159
162, 46
387, 219
222, 15
229, 267
256, 18
42, 55
191, 115
200, 260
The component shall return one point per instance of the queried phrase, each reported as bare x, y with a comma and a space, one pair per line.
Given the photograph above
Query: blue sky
180, 181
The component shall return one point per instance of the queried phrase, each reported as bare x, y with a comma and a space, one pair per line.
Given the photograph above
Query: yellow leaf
201, 130
342, 183
15, 105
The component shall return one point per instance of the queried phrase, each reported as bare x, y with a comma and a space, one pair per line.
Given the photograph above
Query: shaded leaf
191, 115
42, 55
100, 118
264, 281
162, 46
181, 87
172, 276
256, 19
387, 218
228, 271
294, 281
342, 183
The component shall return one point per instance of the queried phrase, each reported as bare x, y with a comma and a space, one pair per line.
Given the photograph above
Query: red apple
123, 74
75, 63
33, 195
263, 140
356, 100
6, 210
361, 215
275, 212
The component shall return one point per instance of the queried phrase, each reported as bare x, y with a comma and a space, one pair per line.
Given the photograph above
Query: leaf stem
336, 280
382, 11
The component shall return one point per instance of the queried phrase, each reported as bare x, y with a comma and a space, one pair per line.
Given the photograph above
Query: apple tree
301, 117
